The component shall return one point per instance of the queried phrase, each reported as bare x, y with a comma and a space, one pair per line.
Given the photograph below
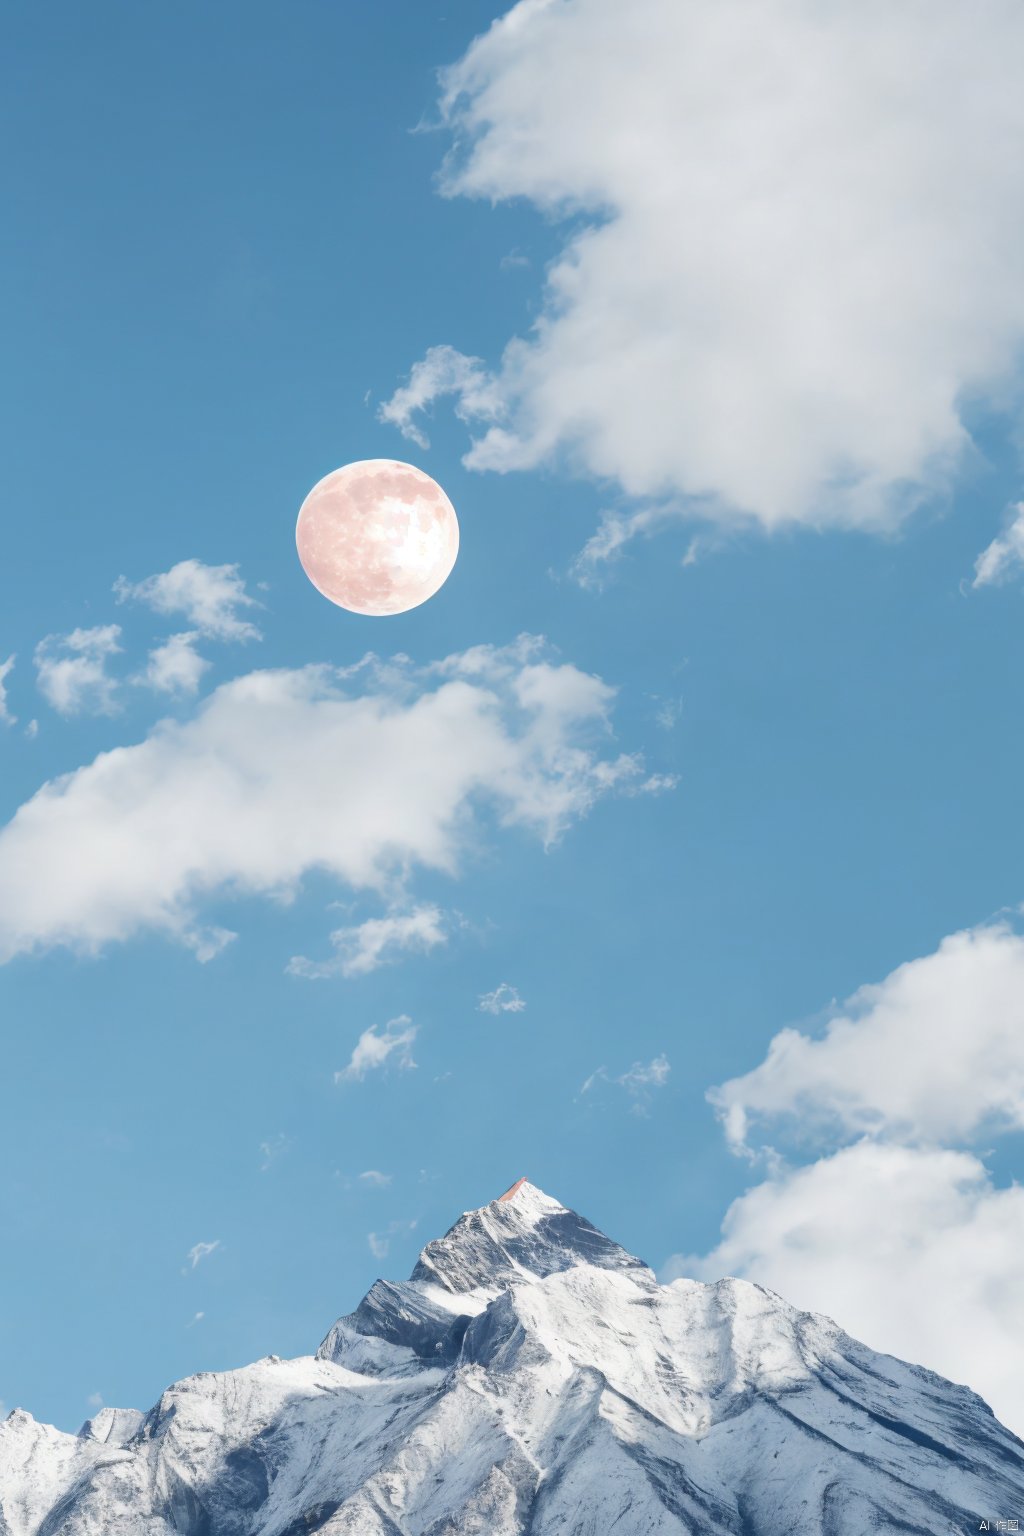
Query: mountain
533, 1378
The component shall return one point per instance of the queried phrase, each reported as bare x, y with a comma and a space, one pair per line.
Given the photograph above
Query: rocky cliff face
532, 1378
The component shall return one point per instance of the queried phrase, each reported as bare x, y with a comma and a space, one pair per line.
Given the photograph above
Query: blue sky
231, 246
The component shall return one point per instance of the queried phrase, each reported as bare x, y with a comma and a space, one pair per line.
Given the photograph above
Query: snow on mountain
532, 1377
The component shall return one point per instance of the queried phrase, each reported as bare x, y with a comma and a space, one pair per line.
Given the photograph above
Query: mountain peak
533, 1377
524, 1234
520, 1237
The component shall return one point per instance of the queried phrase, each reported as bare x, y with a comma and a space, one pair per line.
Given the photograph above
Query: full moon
377, 537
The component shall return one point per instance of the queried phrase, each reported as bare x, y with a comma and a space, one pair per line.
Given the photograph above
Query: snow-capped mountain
533, 1377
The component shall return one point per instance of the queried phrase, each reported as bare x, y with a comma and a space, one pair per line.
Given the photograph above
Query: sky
667, 856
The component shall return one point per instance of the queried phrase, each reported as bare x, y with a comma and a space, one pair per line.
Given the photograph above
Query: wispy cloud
71, 670
443, 371
6, 667
380, 1242
200, 1251
504, 999
376, 1047
211, 598
364, 947
639, 1081
1004, 557
272, 1149
375, 1179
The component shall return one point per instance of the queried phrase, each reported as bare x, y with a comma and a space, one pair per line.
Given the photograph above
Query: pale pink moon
377, 537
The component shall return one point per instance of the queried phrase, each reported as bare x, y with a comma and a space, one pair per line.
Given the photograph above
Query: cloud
791, 259
638, 1081
376, 1048
911, 1249
71, 670
273, 1148
1004, 557
443, 372
896, 1229
201, 1250
196, 1318
364, 776
504, 999
366, 946
933, 1053
6, 667
212, 598
380, 1242
375, 1179
176, 666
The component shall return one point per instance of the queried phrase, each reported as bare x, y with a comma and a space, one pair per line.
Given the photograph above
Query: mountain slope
532, 1378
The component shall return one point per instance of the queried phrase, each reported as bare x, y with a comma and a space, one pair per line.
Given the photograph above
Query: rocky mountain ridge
531, 1377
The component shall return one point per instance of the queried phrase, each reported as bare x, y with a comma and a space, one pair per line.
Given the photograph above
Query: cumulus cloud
211, 598
504, 999
201, 1251
914, 1250
176, 666
376, 1047
364, 776
791, 253
71, 670
6, 667
366, 946
933, 1053
897, 1229
1004, 557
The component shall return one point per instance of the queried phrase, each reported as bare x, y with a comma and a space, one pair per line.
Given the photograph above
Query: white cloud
913, 1250
201, 1251
375, 1179
212, 598
933, 1053
71, 670
443, 372
504, 999
273, 1148
380, 1242
895, 1230
365, 946
176, 666
376, 1048
95, 1401
196, 1318
6, 667
638, 1081
1004, 557
792, 248
281, 773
